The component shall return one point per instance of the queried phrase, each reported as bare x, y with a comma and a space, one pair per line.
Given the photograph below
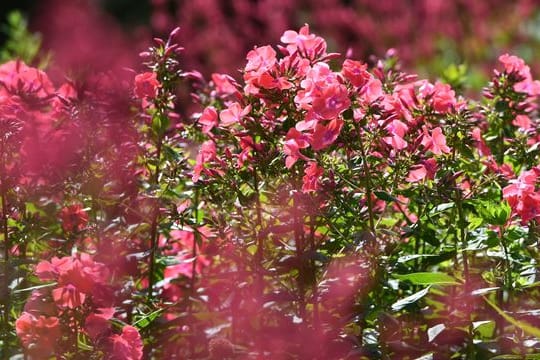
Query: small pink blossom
74, 218
371, 91
397, 130
326, 135
436, 142
38, 334
207, 153
146, 85
125, 346
306, 44
417, 173
522, 196
224, 84
514, 64
331, 102
356, 72
294, 141
523, 122
233, 114
208, 119
481, 145
311, 179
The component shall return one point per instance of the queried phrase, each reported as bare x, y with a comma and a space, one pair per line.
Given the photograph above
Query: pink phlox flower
207, 153
17, 78
504, 169
180, 246
247, 145
331, 102
38, 334
397, 130
326, 135
523, 122
323, 93
417, 173
525, 183
522, 197
440, 96
371, 91
125, 346
294, 141
68, 296
260, 60
481, 145
514, 64
146, 87
97, 324
306, 44
317, 78
268, 81
436, 142
311, 179
425, 169
74, 218
392, 104
208, 119
233, 114
225, 84
356, 72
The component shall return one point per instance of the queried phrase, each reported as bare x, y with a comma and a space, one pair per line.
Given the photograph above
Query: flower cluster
77, 301
321, 199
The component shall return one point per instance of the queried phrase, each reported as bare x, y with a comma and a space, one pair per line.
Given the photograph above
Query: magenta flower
38, 334
311, 179
146, 85
208, 119
324, 136
233, 114
294, 141
436, 142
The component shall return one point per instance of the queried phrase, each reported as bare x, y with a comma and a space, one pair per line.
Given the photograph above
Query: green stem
154, 224
299, 245
7, 245
196, 241
259, 255
315, 287
462, 235
368, 185
507, 270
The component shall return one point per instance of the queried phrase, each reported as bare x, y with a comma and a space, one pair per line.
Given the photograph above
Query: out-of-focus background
428, 35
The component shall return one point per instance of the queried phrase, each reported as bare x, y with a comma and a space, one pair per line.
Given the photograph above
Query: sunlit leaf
528, 328
400, 304
427, 278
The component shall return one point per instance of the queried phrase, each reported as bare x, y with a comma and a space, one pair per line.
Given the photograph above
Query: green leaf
406, 258
428, 278
383, 195
528, 328
494, 213
485, 329
441, 208
434, 331
147, 319
400, 304
428, 356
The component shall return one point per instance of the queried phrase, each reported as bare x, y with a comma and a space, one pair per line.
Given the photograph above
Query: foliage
321, 208
21, 43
